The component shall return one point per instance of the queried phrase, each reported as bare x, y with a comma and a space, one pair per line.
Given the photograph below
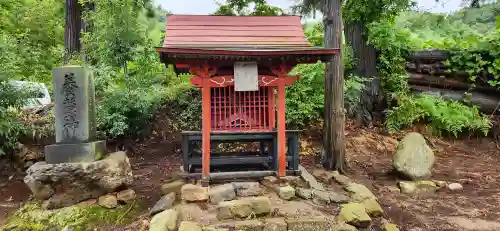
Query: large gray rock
69, 183
413, 158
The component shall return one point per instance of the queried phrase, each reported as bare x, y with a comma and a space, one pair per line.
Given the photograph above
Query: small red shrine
241, 64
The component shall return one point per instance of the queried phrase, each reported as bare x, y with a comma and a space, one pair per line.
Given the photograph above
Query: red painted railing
242, 110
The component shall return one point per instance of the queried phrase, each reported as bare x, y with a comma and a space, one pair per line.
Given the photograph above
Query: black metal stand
266, 159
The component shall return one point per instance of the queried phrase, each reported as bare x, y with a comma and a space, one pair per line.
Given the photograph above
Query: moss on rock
33, 217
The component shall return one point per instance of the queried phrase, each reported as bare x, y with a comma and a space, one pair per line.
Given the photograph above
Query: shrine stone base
80, 152
65, 184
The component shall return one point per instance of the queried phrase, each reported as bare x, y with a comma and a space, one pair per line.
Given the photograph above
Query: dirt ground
475, 163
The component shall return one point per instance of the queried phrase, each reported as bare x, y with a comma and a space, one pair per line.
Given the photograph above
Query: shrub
444, 117
12, 100
305, 98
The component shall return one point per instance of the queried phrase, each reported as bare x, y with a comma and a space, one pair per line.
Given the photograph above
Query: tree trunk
73, 28
333, 140
364, 54
87, 27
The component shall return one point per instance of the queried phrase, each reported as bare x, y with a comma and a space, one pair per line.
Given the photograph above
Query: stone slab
308, 223
74, 99
68, 153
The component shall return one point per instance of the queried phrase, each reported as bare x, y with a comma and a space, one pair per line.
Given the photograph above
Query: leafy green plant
12, 99
481, 60
444, 117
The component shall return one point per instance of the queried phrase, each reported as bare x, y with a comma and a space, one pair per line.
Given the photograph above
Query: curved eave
302, 55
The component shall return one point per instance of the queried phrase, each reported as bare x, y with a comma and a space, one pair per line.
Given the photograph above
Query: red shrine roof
236, 36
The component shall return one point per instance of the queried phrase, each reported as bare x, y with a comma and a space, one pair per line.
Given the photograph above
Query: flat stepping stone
308, 223
221, 193
354, 214
193, 193
310, 179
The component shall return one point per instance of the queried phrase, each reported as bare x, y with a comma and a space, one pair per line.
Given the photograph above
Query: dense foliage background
132, 85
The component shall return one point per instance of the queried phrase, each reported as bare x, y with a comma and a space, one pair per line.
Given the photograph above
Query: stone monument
75, 117
75, 168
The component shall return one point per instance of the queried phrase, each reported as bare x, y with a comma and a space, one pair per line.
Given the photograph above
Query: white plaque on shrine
246, 76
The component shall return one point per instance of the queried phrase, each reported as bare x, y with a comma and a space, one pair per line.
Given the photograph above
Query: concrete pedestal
81, 152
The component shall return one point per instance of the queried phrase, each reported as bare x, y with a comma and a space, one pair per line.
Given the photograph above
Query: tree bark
364, 54
73, 29
87, 27
334, 118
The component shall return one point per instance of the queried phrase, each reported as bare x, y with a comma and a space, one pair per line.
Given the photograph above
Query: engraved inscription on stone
71, 123
73, 91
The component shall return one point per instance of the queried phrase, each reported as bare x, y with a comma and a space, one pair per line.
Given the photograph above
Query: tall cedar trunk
333, 143
73, 28
364, 53
370, 104
87, 26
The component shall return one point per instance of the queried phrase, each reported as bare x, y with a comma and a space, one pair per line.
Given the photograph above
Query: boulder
66, 184
308, 223
413, 158
304, 193
174, 186
189, 226
275, 224
193, 193
246, 189
164, 221
286, 193
108, 201
163, 204
354, 214
126, 196
359, 192
221, 193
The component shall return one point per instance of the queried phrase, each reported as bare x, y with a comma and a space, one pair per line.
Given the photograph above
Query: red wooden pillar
206, 127
281, 127
205, 72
